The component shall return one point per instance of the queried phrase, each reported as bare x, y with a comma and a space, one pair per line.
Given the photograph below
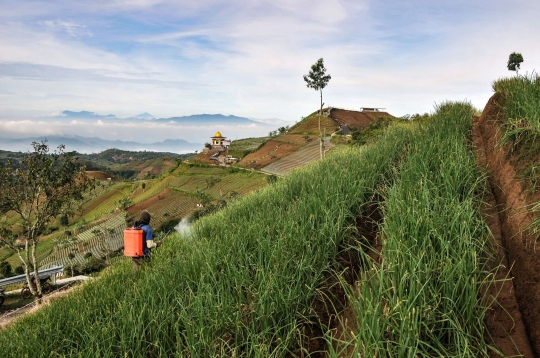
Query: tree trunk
36, 268
320, 132
26, 262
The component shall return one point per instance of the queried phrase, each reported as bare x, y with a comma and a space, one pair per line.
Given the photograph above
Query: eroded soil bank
518, 317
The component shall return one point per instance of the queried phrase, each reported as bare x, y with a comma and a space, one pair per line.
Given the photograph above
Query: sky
247, 58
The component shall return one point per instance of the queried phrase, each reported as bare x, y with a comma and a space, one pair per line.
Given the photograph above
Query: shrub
168, 225
93, 265
5, 269
271, 179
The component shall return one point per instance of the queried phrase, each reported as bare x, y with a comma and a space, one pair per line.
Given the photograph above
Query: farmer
148, 239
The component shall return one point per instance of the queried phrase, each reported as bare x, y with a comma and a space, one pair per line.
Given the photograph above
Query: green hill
259, 277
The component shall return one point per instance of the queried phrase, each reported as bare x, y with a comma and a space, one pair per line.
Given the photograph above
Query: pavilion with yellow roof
219, 141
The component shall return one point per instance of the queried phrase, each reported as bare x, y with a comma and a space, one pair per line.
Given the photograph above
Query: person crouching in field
148, 239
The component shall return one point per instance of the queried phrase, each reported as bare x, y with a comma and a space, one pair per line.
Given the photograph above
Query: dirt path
514, 320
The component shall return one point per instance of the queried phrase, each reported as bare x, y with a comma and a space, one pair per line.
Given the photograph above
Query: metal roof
22, 278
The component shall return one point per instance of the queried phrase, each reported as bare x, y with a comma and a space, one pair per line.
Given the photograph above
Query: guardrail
41, 274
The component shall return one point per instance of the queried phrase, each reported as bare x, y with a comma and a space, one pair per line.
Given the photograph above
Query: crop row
177, 209
421, 299
155, 189
303, 156
97, 240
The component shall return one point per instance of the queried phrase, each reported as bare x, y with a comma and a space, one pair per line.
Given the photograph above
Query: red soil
295, 139
355, 119
269, 153
521, 257
503, 319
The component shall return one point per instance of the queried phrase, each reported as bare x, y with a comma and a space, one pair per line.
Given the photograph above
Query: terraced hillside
305, 155
296, 147
275, 149
98, 228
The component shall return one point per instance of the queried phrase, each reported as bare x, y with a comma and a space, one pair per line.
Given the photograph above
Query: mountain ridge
193, 119
96, 144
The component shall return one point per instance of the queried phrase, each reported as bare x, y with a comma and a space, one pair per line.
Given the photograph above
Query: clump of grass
422, 300
521, 108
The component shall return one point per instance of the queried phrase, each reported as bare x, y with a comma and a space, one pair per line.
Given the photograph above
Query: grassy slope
243, 283
241, 147
422, 299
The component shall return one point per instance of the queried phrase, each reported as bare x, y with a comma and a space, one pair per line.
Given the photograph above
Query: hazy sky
247, 58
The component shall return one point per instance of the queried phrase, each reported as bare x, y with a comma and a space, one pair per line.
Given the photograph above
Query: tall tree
514, 61
44, 186
318, 79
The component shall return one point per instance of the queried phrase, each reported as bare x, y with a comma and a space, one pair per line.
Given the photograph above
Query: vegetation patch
422, 298
520, 119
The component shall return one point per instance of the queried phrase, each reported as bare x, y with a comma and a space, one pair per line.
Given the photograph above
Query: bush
76, 270
64, 221
93, 265
5, 269
49, 229
168, 225
271, 179
19, 270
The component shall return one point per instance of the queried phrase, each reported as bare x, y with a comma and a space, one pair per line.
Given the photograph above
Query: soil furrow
512, 319
333, 298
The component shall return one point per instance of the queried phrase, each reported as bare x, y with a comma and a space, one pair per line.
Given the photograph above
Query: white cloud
247, 57
145, 132
71, 28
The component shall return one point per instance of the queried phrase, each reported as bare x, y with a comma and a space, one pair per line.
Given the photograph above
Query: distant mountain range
196, 119
95, 145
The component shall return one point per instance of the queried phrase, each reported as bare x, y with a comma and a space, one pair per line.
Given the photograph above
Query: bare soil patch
204, 157
519, 245
355, 119
269, 153
296, 139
